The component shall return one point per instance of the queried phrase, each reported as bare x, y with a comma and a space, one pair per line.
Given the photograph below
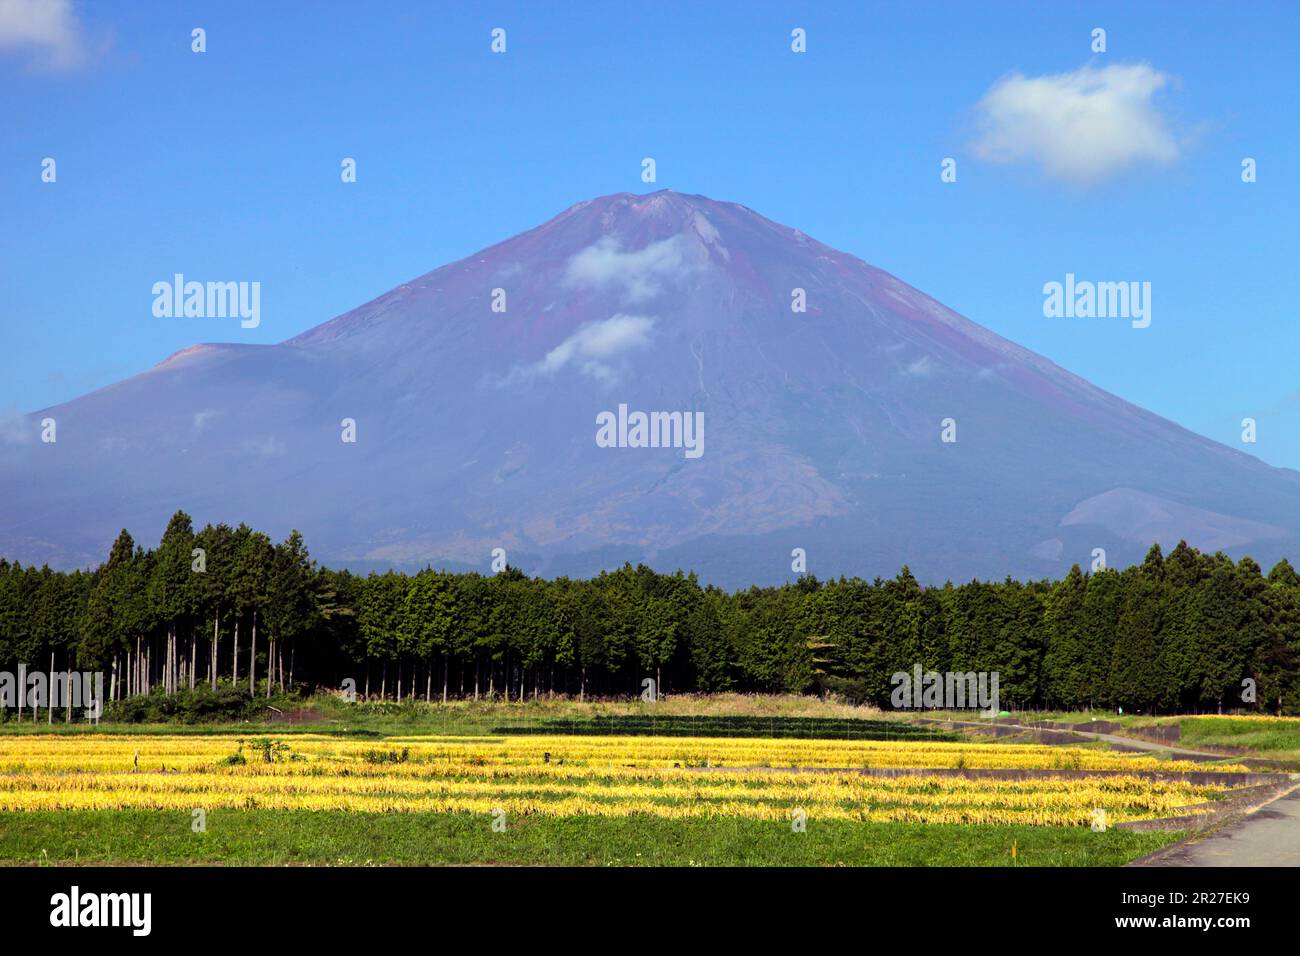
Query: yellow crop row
1125, 793
188, 752
603, 776
573, 806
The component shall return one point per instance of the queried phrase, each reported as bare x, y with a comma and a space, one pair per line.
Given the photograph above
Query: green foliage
1182, 633
345, 837
268, 750
200, 705
388, 756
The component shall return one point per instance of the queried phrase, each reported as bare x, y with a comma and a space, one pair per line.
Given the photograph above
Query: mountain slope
476, 428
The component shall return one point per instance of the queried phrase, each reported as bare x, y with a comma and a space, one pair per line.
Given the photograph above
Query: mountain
477, 429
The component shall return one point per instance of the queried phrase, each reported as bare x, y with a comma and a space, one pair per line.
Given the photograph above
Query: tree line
1183, 632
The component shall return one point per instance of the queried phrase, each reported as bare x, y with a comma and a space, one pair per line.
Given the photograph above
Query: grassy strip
747, 714
429, 722
1256, 734
281, 837
1274, 739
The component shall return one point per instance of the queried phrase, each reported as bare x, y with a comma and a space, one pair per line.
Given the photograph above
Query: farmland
537, 797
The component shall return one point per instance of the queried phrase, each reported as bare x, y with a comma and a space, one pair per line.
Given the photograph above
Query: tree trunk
444, 678
50, 689
252, 659
194, 654
216, 641
270, 665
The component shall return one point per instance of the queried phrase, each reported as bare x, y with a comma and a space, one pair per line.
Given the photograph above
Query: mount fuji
475, 394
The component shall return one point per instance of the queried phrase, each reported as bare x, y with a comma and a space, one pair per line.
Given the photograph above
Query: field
908, 797
1277, 738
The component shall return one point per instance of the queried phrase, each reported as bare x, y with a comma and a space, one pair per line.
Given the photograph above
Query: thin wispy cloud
1079, 127
637, 273
595, 346
15, 429
594, 350
919, 368
203, 418
44, 33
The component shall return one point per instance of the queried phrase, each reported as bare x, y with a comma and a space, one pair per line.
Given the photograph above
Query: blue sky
225, 165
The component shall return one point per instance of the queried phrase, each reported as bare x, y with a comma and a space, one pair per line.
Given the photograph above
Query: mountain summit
476, 395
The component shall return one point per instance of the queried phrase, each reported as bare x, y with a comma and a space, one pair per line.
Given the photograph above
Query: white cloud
919, 368
268, 447
47, 30
202, 418
637, 273
593, 348
1080, 127
15, 427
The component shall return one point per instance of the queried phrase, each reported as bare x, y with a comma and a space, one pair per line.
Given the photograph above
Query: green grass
1275, 739
1034, 716
742, 715
279, 837
1253, 733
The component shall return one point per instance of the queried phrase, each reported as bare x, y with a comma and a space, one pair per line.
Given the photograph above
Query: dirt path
1270, 836
1133, 743
1127, 743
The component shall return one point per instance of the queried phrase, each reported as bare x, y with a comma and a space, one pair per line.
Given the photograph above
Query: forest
1185, 632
